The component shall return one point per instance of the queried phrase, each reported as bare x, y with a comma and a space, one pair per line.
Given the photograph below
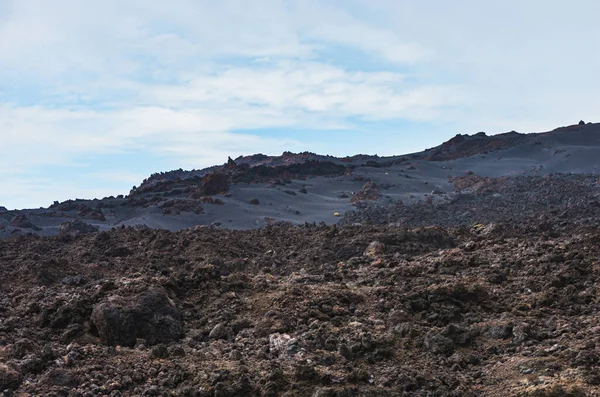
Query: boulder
438, 343
219, 331
214, 184
369, 191
151, 316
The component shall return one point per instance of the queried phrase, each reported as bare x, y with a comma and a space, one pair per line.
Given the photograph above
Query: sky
96, 95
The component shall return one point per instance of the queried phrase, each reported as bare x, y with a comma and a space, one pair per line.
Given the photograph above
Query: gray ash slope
468, 179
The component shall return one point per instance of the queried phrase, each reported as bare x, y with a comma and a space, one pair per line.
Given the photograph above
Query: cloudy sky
95, 95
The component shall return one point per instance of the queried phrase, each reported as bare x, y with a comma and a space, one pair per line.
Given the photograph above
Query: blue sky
97, 95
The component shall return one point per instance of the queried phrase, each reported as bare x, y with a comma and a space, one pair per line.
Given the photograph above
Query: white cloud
182, 79
37, 192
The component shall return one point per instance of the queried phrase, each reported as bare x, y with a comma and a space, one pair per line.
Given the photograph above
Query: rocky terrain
314, 310
469, 269
255, 191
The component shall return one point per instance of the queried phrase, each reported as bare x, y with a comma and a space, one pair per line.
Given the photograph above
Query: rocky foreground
314, 310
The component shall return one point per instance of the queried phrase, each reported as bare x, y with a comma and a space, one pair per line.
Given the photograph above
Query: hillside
468, 269
254, 191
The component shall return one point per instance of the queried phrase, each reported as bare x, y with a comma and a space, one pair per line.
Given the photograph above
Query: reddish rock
21, 221
369, 191
76, 228
214, 184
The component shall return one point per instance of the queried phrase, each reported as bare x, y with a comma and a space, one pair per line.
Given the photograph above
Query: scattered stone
369, 191
438, 343
345, 351
160, 351
282, 344
74, 281
10, 379
219, 331
500, 331
77, 227
176, 351
374, 249
213, 184
437, 190
62, 377
21, 221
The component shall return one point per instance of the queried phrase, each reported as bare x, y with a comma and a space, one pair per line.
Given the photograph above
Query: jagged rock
87, 212
231, 163
3, 209
374, 249
437, 190
177, 206
220, 331
21, 221
500, 331
151, 316
211, 200
370, 191
438, 343
76, 228
75, 280
282, 344
214, 184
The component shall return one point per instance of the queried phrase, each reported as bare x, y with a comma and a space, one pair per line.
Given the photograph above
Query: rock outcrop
21, 221
77, 227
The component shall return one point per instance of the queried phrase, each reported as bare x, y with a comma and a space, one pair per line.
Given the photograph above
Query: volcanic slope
254, 191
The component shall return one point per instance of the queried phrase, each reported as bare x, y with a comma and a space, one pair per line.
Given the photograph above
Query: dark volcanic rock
21, 221
115, 322
77, 227
369, 191
151, 316
89, 213
10, 379
214, 184
289, 310
3, 209
438, 343
177, 206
